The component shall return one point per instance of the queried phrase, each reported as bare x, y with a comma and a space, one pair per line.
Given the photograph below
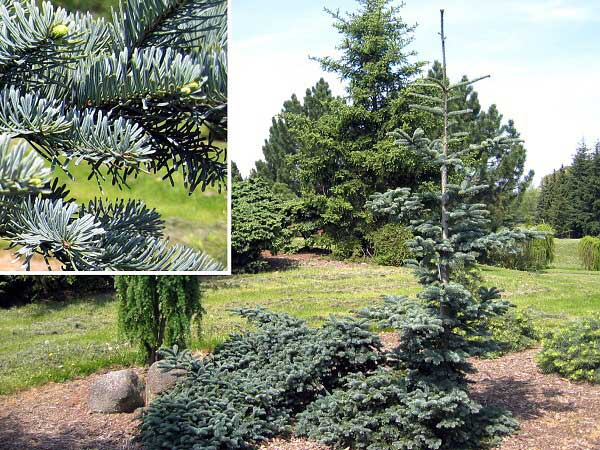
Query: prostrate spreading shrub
588, 251
389, 244
252, 386
574, 351
145, 92
158, 310
257, 221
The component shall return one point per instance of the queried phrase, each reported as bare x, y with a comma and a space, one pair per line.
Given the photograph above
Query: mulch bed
554, 413
55, 417
308, 259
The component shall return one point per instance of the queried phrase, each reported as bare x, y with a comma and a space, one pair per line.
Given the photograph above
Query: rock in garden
158, 381
117, 392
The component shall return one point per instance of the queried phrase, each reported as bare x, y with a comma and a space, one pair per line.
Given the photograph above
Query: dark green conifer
282, 144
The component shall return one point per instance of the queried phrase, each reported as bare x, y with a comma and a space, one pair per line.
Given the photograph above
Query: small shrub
588, 251
514, 331
531, 255
389, 244
255, 383
347, 247
574, 351
257, 222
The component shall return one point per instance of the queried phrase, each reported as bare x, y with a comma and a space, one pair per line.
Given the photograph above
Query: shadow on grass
44, 307
281, 263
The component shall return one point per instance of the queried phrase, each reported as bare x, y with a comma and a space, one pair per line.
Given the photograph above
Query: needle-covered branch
146, 93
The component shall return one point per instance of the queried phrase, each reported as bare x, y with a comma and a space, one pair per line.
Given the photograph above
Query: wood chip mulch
8, 263
554, 413
55, 417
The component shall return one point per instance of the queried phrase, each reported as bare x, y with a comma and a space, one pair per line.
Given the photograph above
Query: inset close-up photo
113, 136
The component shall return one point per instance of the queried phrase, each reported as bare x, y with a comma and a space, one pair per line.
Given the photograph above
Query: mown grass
58, 341
560, 293
82, 336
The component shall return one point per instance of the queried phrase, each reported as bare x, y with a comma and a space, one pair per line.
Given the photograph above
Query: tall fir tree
345, 154
439, 333
421, 399
145, 92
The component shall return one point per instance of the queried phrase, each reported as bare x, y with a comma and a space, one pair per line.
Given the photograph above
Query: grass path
56, 342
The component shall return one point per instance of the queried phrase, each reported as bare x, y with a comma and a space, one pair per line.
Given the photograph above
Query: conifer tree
581, 190
281, 144
570, 197
425, 402
145, 92
345, 155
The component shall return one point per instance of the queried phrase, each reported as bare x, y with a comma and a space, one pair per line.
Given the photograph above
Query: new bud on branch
59, 31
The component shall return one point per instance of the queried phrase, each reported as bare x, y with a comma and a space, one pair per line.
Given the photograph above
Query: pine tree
236, 175
281, 144
145, 92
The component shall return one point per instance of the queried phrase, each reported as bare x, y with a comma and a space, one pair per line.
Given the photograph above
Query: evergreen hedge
588, 250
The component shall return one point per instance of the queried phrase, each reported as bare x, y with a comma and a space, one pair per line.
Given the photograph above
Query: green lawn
56, 342
561, 293
59, 341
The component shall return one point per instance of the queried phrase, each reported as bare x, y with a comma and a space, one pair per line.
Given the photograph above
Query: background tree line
569, 198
